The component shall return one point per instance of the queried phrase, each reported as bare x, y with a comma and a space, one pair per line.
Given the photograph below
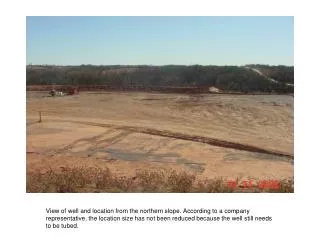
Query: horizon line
155, 65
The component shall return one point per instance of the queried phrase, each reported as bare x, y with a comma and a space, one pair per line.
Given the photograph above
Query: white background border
294, 214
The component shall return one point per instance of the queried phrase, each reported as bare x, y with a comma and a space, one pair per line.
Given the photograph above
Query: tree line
284, 74
225, 78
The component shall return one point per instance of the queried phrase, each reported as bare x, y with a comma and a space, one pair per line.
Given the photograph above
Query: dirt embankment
164, 89
154, 89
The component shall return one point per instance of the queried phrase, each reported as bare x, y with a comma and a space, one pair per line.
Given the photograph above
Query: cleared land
207, 135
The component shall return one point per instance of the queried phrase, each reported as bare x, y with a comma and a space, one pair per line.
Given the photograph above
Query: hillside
143, 77
284, 74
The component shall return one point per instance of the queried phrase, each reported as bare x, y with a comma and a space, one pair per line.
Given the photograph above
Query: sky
160, 40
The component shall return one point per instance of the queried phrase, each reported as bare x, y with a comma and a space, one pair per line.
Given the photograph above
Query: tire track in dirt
194, 138
94, 142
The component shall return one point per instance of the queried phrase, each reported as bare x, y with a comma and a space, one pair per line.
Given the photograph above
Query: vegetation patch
93, 179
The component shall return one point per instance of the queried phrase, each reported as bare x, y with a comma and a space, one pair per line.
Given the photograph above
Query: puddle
135, 156
159, 157
151, 99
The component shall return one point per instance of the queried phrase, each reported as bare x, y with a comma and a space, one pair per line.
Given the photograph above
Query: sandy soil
102, 129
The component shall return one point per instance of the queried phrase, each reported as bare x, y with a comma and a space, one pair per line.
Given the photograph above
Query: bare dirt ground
230, 136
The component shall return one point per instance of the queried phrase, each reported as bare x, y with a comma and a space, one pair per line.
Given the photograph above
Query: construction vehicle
64, 91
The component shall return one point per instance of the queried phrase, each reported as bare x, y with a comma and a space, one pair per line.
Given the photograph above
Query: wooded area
143, 77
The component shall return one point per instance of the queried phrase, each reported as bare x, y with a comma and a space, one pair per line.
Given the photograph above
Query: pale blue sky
160, 40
